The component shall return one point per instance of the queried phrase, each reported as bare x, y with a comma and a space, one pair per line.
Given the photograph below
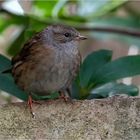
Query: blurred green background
109, 24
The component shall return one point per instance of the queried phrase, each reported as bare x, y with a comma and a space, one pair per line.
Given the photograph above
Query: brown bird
48, 62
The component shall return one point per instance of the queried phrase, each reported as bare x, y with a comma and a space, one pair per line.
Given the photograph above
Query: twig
119, 30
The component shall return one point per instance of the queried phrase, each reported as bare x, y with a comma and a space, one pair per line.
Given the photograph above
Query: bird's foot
65, 98
30, 104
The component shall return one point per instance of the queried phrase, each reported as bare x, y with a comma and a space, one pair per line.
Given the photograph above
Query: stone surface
115, 118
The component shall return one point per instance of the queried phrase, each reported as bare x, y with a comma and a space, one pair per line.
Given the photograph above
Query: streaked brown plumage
49, 61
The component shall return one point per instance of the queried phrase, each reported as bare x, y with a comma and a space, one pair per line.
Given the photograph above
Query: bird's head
63, 34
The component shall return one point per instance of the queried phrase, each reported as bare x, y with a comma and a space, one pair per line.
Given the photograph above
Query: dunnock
48, 62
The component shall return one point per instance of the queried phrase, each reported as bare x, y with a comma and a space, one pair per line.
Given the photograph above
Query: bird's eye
67, 34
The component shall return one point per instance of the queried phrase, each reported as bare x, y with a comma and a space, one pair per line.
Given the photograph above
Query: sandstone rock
115, 118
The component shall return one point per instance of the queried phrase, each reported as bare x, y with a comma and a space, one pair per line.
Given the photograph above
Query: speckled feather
48, 62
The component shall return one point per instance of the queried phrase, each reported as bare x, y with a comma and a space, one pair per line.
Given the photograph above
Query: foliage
98, 74
96, 79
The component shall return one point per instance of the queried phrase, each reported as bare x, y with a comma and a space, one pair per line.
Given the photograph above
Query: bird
48, 62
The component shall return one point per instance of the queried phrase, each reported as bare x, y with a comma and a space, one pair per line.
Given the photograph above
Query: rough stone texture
116, 118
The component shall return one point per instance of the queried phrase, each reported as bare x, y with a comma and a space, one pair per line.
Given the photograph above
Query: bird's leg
69, 92
69, 95
30, 102
63, 96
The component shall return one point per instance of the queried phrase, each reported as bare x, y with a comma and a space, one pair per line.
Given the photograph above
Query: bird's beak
80, 37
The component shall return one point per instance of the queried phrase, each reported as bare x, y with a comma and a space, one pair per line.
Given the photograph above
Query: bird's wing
25, 51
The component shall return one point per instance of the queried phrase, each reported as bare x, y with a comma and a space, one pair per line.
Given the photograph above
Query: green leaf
92, 63
113, 88
12, 18
7, 84
75, 91
45, 7
98, 8
116, 21
17, 43
3, 24
5, 63
123, 67
57, 8
51, 96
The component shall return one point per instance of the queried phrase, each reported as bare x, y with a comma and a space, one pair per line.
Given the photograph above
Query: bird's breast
54, 72
62, 71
